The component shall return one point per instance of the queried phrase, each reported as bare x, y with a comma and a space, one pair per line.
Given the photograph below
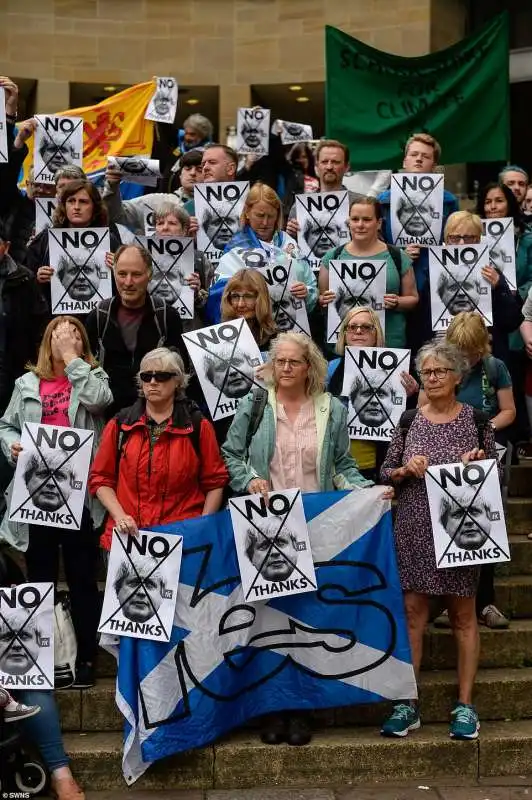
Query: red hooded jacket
168, 486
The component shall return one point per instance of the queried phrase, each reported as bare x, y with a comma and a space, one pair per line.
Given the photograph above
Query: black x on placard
416, 211
79, 267
374, 389
18, 633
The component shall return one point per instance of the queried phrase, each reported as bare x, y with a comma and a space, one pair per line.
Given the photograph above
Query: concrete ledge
505, 748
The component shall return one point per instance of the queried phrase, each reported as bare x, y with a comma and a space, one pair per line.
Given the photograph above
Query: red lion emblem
103, 132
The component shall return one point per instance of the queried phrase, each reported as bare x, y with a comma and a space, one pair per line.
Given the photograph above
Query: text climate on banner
355, 282
467, 514
416, 208
253, 131
141, 585
58, 142
51, 476
163, 104
27, 636
374, 100
173, 263
289, 313
225, 357
4, 156
81, 277
137, 169
218, 208
344, 643
322, 218
501, 241
376, 395
272, 544
457, 284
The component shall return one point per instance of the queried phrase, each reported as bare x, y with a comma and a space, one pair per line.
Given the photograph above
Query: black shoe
85, 676
273, 730
298, 731
63, 677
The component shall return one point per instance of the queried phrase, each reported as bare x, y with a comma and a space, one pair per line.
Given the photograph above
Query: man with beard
372, 398
49, 484
516, 179
140, 591
20, 639
79, 277
459, 291
469, 526
232, 376
273, 553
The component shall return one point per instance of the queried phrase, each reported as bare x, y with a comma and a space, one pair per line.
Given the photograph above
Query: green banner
375, 100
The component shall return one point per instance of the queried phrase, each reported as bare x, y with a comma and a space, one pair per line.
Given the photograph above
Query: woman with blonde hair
66, 387
261, 242
361, 327
246, 296
301, 441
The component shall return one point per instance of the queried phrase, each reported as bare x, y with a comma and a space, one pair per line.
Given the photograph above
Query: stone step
520, 484
521, 553
499, 694
333, 758
519, 514
513, 595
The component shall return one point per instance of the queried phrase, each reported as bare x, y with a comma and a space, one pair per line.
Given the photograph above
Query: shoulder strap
481, 420
159, 315
395, 253
337, 251
489, 364
103, 315
405, 421
196, 418
258, 404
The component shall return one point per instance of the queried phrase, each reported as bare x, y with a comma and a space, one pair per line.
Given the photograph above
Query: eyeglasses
291, 363
440, 373
466, 238
354, 327
247, 297
159, 376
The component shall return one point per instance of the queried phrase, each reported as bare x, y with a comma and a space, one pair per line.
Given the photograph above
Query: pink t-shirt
55, 399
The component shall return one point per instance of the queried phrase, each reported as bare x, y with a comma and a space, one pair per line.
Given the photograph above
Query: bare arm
213, 501
506, 415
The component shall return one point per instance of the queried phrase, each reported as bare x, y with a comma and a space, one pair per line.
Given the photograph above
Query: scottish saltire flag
228, 661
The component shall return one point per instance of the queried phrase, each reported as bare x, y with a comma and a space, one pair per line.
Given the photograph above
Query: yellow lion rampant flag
116, 126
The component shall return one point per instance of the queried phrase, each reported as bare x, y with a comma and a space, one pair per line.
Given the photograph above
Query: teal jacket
336, 467
89, 397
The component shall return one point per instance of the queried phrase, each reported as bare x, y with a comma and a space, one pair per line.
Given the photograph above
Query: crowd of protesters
123, 372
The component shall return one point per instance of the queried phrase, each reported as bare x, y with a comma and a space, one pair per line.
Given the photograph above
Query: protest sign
501, 242
27, 636
467, 514
229, 660
4, 156
141, 585
136, 169
355, 282
272, 545
218, 208
253, 131
372, 384
416, 208
81, 278
149, 219
457, 284
293, 132
58, 142
44, 209
224, 358
51, 476
173, 262
289, 313
163, 104
322, 218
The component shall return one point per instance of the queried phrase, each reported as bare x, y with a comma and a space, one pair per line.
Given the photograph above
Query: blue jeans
44, 729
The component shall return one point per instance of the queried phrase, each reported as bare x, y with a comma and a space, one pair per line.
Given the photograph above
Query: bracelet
11, 117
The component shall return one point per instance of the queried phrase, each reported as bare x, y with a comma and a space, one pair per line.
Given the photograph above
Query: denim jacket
90, 395
336, 468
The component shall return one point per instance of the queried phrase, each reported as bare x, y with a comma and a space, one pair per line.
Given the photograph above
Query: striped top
294, 462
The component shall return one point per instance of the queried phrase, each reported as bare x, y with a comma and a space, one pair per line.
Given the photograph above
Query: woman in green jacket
65, 388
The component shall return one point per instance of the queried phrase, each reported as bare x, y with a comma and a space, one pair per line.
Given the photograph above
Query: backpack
480, 418
103, 316
394, 251
258, 404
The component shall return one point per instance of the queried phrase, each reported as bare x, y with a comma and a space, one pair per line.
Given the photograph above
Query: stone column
232, 97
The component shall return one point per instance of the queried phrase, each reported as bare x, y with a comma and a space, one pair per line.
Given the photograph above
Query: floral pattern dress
441, 443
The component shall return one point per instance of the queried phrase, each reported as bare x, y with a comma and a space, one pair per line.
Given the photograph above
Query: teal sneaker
403, 719
464, 722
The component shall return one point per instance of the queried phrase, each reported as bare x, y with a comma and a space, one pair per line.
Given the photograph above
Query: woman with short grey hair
441, 431
158, 461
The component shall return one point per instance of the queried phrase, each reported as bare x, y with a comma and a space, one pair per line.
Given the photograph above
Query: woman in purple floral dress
443, 431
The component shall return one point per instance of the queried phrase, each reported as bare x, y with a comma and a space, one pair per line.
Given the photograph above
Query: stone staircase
347, 748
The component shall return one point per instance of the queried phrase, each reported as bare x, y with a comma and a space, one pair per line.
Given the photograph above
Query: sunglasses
157, 375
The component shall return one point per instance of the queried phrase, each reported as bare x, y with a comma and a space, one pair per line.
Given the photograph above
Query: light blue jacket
336, 468
90, 395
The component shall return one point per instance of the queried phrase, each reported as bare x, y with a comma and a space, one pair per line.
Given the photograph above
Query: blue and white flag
228, 661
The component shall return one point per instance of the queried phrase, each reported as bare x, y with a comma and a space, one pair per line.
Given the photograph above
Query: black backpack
481, 420
103, 316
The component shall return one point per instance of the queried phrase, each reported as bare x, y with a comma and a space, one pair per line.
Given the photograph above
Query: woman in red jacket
158, 460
